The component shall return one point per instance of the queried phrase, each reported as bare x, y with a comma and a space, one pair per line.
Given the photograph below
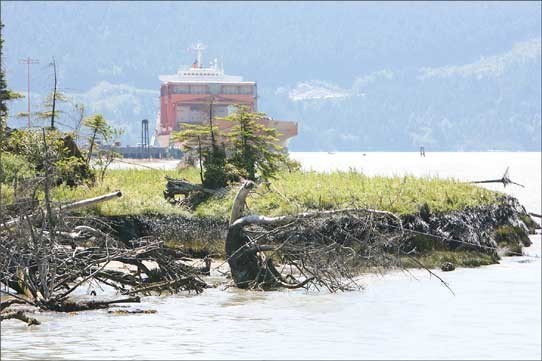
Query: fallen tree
46, 257
307, 254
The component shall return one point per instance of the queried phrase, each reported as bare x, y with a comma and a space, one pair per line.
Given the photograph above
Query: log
79, 204
69, 306
181, 186
19, 315
505, 180
91, 201
6, 304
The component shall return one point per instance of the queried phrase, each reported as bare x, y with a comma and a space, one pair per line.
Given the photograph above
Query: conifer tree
255, 148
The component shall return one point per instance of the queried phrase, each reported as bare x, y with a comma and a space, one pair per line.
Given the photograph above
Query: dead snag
323, 248
248, 268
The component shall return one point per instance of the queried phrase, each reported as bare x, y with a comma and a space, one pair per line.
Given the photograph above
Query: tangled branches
319, 249
45, 257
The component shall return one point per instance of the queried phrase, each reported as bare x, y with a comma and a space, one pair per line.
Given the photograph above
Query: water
495, 313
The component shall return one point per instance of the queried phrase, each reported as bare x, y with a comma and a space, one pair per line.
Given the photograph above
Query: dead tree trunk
247, 267
251, 268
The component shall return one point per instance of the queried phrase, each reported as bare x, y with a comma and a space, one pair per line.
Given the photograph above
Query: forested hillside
356, 76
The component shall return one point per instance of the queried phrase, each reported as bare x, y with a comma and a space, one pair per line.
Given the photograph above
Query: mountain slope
356, 76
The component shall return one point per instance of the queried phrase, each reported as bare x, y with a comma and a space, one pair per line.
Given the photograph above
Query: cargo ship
197, 92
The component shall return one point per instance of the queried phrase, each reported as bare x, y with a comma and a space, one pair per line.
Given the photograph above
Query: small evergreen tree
251, 150
200, 141
254, 148
195, 142
47, 112
99, 128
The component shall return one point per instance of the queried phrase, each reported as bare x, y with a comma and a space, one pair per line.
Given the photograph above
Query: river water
495, 312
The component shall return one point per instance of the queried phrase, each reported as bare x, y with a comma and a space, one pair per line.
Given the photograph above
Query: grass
292, 193
289, 193
435, 259
142, 192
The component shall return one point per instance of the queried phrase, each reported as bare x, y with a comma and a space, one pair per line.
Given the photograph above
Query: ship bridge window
181, 89
214, 88
198, 89
230, 89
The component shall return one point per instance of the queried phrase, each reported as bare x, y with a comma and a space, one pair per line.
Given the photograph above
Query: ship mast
198, 48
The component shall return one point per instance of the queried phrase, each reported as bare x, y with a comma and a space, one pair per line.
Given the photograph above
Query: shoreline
467, 238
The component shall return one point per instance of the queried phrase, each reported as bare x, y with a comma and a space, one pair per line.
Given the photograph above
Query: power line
28, 61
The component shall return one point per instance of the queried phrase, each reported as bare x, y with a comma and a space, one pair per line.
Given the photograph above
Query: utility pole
54, 98
28, 62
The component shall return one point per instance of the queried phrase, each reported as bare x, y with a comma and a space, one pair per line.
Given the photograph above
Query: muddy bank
487, 229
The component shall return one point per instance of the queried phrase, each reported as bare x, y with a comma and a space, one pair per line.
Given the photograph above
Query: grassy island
289, 193
292, 193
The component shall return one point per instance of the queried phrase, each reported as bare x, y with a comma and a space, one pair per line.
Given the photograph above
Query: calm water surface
495, 313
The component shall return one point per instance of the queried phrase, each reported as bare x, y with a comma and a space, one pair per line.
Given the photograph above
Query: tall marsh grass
288, 193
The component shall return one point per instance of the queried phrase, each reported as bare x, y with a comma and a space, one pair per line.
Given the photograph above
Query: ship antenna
198, 48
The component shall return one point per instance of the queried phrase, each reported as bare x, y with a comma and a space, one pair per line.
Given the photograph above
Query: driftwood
313, 249
193, 194
43, 262
128, 312
505, 180
6, 304
69, 306
67, 207
46, 276
180, 186
19, 315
